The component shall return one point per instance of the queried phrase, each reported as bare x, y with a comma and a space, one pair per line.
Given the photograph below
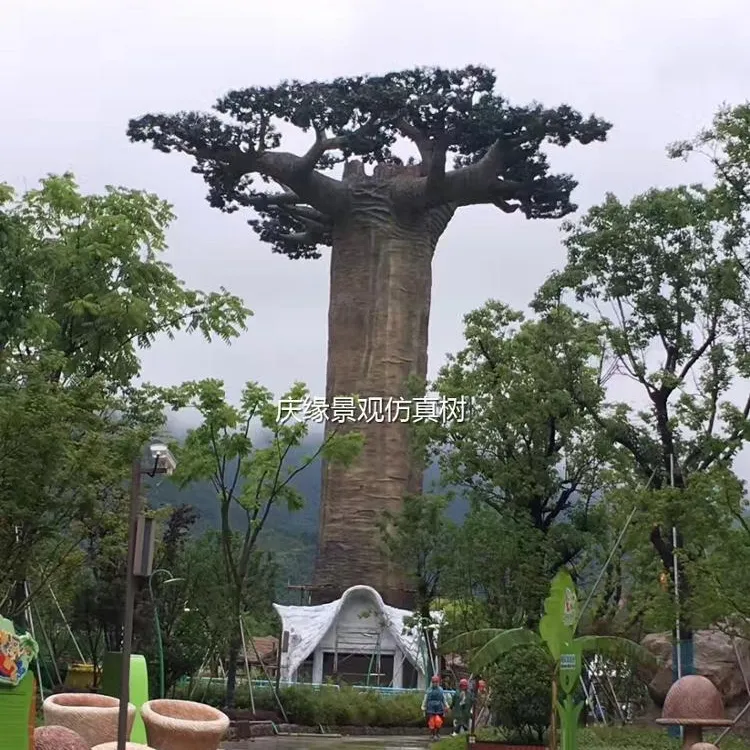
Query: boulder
58, 738
715, 658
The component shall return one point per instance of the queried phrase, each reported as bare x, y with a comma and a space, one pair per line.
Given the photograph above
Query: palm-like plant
557, 634
489, 645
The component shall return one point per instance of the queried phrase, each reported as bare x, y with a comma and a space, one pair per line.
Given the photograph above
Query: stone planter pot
93, 717
183, 725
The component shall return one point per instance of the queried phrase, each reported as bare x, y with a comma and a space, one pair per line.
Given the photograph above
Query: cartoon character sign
16, 653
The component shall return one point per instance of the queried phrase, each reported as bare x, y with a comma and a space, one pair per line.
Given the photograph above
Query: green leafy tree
726, 145
251, 475
527, 449
496, 573
662, 274
719, 595
84, 288
211, 606
557, 636
95, 609
382, 226
418, 541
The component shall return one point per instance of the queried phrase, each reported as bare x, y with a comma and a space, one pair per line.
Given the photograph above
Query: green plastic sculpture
557, 628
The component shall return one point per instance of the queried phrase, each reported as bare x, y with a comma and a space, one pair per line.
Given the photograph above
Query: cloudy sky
74, 72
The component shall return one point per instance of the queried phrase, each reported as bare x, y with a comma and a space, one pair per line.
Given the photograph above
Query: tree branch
479, 183
351, 141
323, 192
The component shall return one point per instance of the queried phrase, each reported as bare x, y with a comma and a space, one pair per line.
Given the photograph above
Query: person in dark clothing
462, 704
434, 706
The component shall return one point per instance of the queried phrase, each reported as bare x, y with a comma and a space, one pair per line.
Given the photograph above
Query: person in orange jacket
434, 706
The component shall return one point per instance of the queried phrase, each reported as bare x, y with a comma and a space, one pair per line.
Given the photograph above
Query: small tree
496, 572
247, 476
418, 541
382, 226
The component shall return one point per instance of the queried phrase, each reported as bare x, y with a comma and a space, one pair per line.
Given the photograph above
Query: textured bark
381, 281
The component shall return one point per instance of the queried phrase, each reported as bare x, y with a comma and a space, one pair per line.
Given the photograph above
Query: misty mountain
291, 536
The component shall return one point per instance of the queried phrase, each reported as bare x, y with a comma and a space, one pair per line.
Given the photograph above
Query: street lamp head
163, 460
172, 580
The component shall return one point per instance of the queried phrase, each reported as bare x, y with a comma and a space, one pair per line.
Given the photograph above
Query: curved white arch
308, 625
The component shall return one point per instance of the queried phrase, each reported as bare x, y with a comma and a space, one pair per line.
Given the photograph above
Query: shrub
521, 698
327, 706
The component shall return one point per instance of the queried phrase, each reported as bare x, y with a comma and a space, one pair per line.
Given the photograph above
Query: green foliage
667, 270
418, 541
726, 145
529, 451
490, 644
326, 706
441, 111
247, 476
93, 284
84, 287
665, 277
497, 570
521, 694
518, 374
557, 626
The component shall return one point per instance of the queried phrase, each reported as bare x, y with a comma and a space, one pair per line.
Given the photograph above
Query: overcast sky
74, 72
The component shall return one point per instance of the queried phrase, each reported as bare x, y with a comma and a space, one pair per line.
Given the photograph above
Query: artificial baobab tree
382, 219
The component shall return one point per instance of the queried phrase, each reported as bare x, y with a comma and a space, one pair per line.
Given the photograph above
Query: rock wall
715, 658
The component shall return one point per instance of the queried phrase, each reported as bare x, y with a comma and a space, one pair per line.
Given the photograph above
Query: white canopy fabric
308, 625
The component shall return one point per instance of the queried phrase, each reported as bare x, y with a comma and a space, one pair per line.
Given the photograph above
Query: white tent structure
358, 638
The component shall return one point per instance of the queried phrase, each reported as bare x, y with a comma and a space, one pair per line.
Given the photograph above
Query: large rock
715, 658
58, 738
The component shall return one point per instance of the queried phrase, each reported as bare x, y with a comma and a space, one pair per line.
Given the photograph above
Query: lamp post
157, 624
161, 462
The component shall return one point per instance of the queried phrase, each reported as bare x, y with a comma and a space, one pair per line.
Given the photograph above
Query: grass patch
611, 738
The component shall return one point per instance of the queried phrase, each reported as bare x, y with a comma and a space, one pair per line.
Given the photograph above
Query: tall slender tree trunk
381, 283
234, 655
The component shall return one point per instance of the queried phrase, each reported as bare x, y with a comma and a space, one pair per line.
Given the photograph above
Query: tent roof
307, 625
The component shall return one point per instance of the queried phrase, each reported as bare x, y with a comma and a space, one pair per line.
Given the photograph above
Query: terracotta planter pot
183, 725
93, 717
128, 746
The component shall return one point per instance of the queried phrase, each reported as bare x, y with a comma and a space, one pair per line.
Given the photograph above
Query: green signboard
568, 662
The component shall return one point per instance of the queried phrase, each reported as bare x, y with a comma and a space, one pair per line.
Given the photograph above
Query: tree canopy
83, 287
496, 148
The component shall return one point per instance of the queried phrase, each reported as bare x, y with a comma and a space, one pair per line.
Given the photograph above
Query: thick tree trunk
381, 281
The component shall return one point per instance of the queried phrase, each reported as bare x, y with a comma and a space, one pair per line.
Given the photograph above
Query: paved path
330, 743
